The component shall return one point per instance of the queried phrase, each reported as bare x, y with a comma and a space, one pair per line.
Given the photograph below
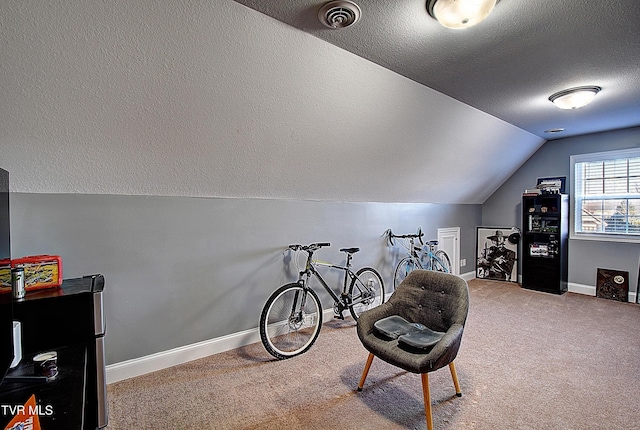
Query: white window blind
606, 195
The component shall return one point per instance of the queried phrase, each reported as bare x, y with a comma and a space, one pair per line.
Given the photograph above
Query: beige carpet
528, 360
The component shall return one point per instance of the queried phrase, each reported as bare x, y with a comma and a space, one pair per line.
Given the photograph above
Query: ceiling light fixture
574, 98
460, 13
339, 14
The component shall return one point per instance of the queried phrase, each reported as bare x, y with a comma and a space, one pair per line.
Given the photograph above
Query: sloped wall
177, 146
213, 99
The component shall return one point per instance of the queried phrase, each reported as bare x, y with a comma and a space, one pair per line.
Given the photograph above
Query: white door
449, 242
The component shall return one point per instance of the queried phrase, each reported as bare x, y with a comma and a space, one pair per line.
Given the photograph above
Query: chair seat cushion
394, 326
421, 339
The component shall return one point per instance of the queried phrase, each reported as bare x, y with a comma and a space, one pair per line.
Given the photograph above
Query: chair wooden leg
365, 371
427, 400
454, 375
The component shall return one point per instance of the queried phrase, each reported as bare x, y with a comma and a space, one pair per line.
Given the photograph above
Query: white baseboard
590, 290
173, 357
468, 276
161, 360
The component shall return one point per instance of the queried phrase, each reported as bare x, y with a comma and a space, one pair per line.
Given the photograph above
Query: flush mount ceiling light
460, 13
574, 98
339, 14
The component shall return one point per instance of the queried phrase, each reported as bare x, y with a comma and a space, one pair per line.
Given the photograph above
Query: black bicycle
292, 317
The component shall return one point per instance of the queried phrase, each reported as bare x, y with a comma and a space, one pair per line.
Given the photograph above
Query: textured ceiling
509, 64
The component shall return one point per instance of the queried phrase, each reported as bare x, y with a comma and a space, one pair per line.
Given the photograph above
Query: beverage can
17, 283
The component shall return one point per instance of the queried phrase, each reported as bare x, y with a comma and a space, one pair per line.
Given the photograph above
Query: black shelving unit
545, 227
70, 321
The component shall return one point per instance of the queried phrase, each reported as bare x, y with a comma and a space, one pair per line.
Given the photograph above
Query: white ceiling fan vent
339, 14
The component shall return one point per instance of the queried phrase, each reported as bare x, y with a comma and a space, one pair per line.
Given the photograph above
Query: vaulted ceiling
214, 98
506, 66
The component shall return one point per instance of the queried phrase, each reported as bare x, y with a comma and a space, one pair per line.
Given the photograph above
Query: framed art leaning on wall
497, 253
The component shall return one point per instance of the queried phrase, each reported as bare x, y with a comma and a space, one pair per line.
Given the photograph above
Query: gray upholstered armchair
439, 301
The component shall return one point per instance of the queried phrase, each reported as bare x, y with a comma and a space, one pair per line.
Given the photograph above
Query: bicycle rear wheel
290, 321
441, 263
366, 291
404, 267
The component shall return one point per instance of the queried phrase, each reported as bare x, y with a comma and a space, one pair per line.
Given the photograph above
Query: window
606, 193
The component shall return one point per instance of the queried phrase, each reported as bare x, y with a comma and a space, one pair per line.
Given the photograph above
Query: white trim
585, 158
173, 357
161, 360
604, 237
451, 236
605, 155
468, 276
590, 290
183, 354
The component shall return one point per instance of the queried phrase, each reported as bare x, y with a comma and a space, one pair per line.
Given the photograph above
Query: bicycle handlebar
406, 236
310, 247
417, 235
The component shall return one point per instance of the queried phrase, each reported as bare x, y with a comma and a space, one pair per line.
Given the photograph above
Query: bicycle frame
348, 274
432, 258
343, 301
417, 253
292, 316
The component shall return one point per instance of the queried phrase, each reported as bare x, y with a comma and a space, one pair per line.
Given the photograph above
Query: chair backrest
436, 299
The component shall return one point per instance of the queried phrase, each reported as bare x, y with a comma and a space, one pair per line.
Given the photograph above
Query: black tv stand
69, 321
61, 400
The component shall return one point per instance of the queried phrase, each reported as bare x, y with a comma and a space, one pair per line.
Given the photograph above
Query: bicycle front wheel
404, 267
366, 291
290, 321
441, 263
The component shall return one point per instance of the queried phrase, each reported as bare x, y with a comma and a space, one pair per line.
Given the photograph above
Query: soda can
17, 283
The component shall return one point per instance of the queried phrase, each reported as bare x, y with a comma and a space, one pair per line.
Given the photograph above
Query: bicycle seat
432, 242
350, 250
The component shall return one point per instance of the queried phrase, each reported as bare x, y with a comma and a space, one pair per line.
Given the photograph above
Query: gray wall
180, 270
178, 146
585, 257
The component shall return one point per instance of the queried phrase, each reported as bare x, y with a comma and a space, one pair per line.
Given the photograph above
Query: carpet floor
528, 360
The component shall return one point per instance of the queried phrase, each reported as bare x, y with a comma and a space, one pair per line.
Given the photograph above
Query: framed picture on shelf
497, 253
556, 183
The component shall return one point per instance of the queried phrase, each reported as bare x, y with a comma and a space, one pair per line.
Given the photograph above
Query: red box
40, 271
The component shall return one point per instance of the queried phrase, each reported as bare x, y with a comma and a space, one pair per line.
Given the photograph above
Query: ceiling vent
339, 14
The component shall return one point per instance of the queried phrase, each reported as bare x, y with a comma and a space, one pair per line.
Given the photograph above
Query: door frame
449, 242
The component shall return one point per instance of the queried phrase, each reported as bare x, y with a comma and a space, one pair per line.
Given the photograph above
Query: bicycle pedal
338, 316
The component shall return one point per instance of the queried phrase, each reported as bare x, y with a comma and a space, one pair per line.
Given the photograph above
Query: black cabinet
545, 227
59, 403
70, 321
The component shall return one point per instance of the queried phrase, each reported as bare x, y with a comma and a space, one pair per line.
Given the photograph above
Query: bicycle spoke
290, 321
404, 267
366, 291
441, 262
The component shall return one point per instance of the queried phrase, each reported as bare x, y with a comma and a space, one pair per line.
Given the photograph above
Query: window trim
597, 156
